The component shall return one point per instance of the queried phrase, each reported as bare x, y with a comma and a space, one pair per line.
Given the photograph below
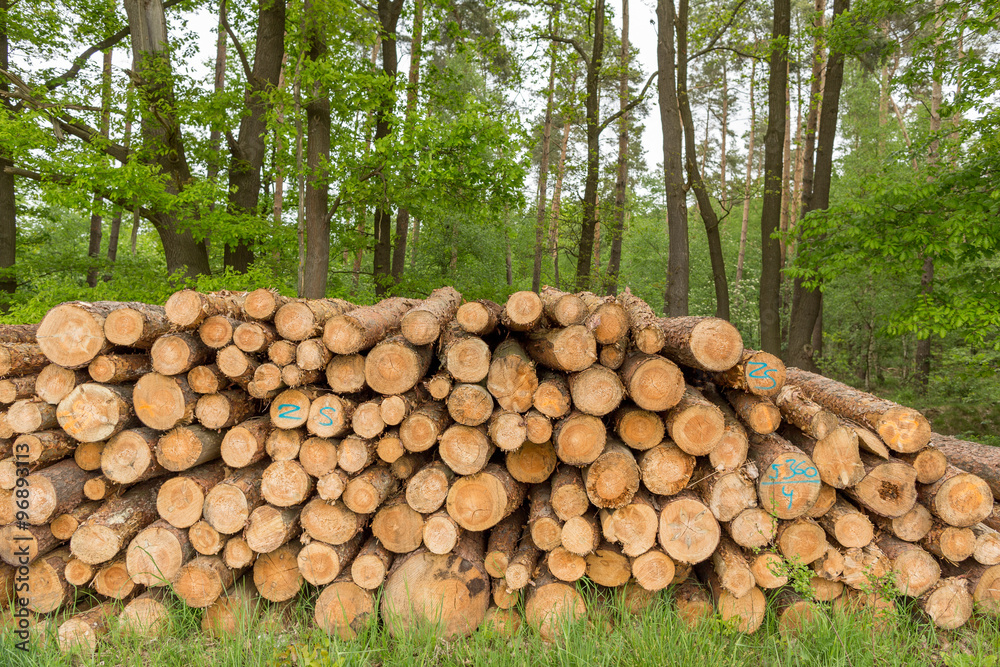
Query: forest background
827, 177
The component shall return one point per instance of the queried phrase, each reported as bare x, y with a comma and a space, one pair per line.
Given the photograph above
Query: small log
52, 491
552, 397
203, 580
17, 388
440, 533
581, 535
480, 501
312, 355
156, 554
639, 429
948, 603
795, 613
21, 545
30, 415
54, 383
22, 359
394, 366
362, 328
332, 485
864, 567
565, 565
285, 484
902, 429
254, 337
88, 455
914, 570
666, 468
911, 527
284, 444
367, 419
983, 580
757, 412
830, 565
355, 454
276, 575
537, 427
318, 456
81, 632
64, 525
146, 615
331, 521
951, 543
178, 353
299, 320
653, 570
801, 540
888, 487
569, 494
511, 378
746, 613
930, 463
522, 311
607, 566
163, 402
290, 408
45, 587
425, 322
42, 447
427, 490
847, 525
958, 498
552, 605
330, 416
688, 531
102, 488
344, 609
237, 554
606, 318
562, 308
635, 525
706, 343
646, 332
397, 526
107, 531
613, 478
613, 356
185, 447
368, 490
237, 365
421, 430
695, 424
447, 592
732, 569
470, 404
208, 379
545, 526
569, 350
653, 382
836, 455
262, 304
758, 373
235, 611
371, 565
503, 542
246, 444
532, 463
502, 622
596, 390
130, 457
789, 483
578, 438
394, 409
229, 503
507, 430
769, 570
726, 493
478, 317
180, 500
987, 550
465, 449
812, 418
269, 527
282, 352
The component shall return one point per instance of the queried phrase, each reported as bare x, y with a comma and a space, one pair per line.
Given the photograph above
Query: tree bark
96, 222
8, 206
770, 274
676, 296
708, 214
247, 154
621, 182
585, 252
749, 179
317, 224
543, 171
807, 303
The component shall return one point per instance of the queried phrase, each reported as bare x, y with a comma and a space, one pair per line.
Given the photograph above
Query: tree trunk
770, 273
96, 223
543, 172
708, 214
621, 182
317, 224
403, 217
724, 121
162, 136
388, 15
749, 180
247, 154
676, 296
8, 206
584, 254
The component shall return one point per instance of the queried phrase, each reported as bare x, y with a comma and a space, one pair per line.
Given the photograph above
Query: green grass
610, 636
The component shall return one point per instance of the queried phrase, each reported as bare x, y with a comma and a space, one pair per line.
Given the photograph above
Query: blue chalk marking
327, 416
760, 371
286, 410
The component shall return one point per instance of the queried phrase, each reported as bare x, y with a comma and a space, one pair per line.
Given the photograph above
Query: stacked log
469, 459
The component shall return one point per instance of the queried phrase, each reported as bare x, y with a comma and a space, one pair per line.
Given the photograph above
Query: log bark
369, 489
503, 542
902, 429
812, 418
706, 343
30, 415
647, 335
983, 581
951, 543
425, 322
64, 525
41, 447
24, 358
17, 388
568, 350
185, 447
362, 328
106, 532
18, 333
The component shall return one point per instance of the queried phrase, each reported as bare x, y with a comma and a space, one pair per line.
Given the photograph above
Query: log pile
470, 459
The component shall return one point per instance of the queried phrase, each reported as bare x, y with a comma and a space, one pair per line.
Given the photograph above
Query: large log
688, 531
285, 484
163, 402
362, 328
246, 444
636, 524
958, 498
522, 311
706, 343
269, 527
759, 373
848, 526
45, 586
596, 390
914, 570
72, 334
479, 317
130, 457
425, 321
480, 501
465, 449
447, 592
902, 429
639, 429
562, 308
229, 504
552, 605
666, 468
695, 424
948, 603
94, 412
318, 456
276, 575
972, 457
888, 487
346, 373
30, 415
185, 447
512, 379
578, 438
753, 528
606, 318
178, 353
157, 553
344, 608
181, 499
394, 366
106, 532
53, 382
746, 613
81, 632
836, 455
801, 540
569, 350
789, 483
52, 491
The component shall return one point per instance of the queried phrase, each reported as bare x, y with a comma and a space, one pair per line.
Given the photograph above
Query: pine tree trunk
316, 261
543, 170
621, 181
744, 228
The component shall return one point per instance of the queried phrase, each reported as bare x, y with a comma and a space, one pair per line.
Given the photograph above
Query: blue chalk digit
286, 410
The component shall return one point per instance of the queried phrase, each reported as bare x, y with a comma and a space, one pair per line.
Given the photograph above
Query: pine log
102, 488
769, 570
470, 404
286, 483
237, 554
948, 603
79, 573
653, 382
613, 478
639, 429
746, 613
22, 359
552, 605
246, 444
666, 468
730, 452
394, 409
53, 382
613, 356
155, 556
397, 526
276, 575
607, 566
753, 528
465, 449
130, 457
425, 322
635, 525
290, 408
369, 489
694, 604
987, 550
304, 319
501, 622
13, 389
295, 376
422, 428
812, 418
582, 534
88, 455
216, 331
902, 429
254, 337
930, 463
355, 454
848, 526
52, 491
346, 374
45, 586
185, 447
972, 457
732, 569
888, 487
480, 501
758, 412
984, 580
371, 565
22, 544
478, 317
830, 565
42, 447
367, 418
578, 438
606, 318
836, 455
207, 379
163, 402
266, 378
914, 570
312, 355
330, 416
706, 343
106, 532
234, 612
551, 397
569, 350
427, 490
440, 533
522, 311
332, 485
726, 493
229, 503
565, 565
789, 483
511, 378
537, 427
596, 390
447, 592
561, 308
72, 334
951, 543
911, 527
30, 415
532, 463
394, 366
93, 412
344, 609
688, 531
653, 570
269, 527
758, 373
867, 439
203, 580
318, 456
362, 328
545, 526
263, 303
568, 493
64, 525
81, 632
180, 500
864, 567
178, 353
695, 424
646, 331
503, 542
507, 430
801, 540
331, 521
958, 498
795, 613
